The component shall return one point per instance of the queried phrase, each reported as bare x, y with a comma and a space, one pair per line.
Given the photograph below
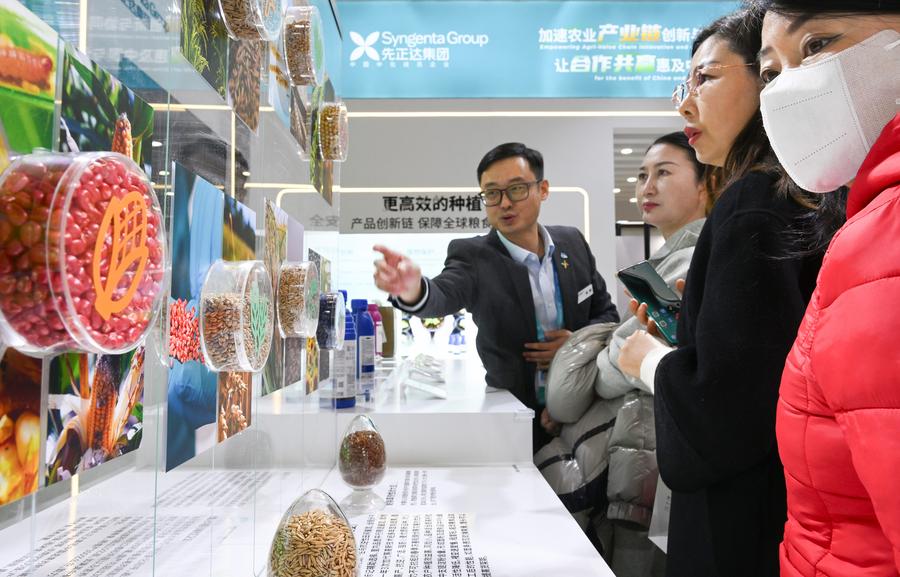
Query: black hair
680, 140
832, 8
742, 31
752, 152
513, 150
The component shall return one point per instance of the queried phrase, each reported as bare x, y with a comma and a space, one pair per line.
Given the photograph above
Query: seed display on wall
312, 364
20, 425
28, 66
204, 41
95, 411
279, 85
252, 19
85, 259
300, 123
197, 238
298, 299
99, 113
234, 403
333, 131
276, 231
184, 333
244, 62
321, 169
304, 48
236, 316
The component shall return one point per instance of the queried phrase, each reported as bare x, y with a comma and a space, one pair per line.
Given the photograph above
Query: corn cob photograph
28, 66
100, 113
20, 425
95, 410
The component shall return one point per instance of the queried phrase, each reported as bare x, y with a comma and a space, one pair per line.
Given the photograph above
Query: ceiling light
626, 151
617, 190
632, 200
246, 173
631, 179
156, 144
164, 173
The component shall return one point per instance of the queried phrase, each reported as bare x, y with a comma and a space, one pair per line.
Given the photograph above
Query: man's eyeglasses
514, 192
691, 84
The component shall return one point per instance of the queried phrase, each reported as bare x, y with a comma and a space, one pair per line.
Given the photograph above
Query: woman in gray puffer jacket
672, 196
609, 428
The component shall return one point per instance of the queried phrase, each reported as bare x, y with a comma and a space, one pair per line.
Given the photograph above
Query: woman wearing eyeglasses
832, 75
715, 394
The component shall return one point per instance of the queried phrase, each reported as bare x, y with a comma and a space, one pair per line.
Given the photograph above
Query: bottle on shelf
379, 329
345, 366
365, 349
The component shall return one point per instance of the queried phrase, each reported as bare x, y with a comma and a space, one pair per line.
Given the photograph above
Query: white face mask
823, 118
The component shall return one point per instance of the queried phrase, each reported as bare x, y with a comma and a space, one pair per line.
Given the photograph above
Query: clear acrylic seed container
332, 322
236, 316
362, 463
334, 131
82, 253
298, 299
313, 538
252, 19
304, 49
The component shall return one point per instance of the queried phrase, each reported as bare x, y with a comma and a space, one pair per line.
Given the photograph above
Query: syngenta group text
451, 38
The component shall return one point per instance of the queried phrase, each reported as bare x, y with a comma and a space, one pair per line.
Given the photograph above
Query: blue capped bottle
345, 363
365, 350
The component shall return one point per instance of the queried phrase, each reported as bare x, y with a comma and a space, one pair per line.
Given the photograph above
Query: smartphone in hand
663, 304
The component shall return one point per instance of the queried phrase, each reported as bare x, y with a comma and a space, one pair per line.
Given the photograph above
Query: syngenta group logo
384, 45
364, 46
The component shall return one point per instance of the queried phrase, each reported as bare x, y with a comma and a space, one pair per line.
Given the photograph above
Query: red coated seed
30, 233
16, 215
26, 195
14, 248
23, 262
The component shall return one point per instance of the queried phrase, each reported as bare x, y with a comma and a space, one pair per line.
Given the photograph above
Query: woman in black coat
716, 393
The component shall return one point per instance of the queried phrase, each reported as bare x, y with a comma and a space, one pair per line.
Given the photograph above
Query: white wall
444, 151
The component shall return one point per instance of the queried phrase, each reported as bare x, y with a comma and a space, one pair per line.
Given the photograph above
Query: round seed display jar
298, 299
236, 316
334, 131
82, 253
313, 539
304, 50
252, 19
362, 463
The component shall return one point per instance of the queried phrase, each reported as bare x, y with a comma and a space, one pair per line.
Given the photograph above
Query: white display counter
470, 427
459, 467
505, 520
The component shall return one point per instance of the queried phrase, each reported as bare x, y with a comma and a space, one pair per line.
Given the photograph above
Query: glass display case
145, 460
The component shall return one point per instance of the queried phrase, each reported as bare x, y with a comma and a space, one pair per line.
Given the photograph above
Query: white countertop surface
207, 523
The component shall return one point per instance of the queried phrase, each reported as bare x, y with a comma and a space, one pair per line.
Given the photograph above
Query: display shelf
471, 426
205, 521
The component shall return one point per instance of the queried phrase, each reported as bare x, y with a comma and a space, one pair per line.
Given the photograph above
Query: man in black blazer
525, 306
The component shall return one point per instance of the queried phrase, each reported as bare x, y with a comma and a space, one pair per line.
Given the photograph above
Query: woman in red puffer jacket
833, 76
